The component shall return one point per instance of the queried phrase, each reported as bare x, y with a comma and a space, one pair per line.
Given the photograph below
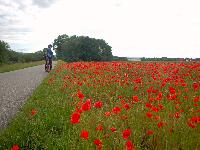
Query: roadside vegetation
17, 66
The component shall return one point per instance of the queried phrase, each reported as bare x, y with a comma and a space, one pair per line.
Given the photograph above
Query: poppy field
113, 105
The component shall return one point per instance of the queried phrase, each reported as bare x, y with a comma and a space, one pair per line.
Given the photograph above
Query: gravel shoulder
15, 88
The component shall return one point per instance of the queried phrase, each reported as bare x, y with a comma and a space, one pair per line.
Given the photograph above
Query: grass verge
38, 125
17, 66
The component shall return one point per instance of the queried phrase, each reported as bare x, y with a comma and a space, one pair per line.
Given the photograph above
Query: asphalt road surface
15, 88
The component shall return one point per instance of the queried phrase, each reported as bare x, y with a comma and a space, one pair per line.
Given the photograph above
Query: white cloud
153, 28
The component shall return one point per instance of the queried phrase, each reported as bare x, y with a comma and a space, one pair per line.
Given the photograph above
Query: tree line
68, 48
9, 56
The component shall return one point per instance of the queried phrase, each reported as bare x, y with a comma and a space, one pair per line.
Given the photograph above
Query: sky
133, 28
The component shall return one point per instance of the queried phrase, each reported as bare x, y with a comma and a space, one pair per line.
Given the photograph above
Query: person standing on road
50, 55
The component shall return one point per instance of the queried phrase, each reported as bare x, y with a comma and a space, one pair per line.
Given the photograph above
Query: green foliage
81, 48
57, 45
8, 56
116, 58
4, 50
17, 66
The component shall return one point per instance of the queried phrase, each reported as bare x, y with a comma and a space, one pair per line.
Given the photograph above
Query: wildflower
113, 129
75, 118
155, 109
138, 80
107, 114
160, 124
15, 147
98, 143
99, 128
129, 145
148, 105
195, 86
190, 124
150, 132
33, 112
80, 95
172, 90
135, 99
116, 110
87, 105
84, 134
177, 115
149, 115
126, 133
157, 117
127, 106
161, 107
98, 104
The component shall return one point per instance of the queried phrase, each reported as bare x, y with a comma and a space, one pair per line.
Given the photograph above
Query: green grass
17, 66
43, 129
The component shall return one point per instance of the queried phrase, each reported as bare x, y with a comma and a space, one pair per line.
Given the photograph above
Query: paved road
15, 88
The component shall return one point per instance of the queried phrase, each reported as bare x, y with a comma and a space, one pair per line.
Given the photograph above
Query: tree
57, 45
4, 50
82, 48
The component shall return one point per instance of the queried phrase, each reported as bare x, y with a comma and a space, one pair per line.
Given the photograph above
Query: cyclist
49, 55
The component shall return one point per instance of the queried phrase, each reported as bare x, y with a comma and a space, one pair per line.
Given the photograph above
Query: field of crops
121, 105
118, 105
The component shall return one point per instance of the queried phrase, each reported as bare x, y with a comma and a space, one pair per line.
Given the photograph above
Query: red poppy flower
127, 106
33, 112
161, 106
172, 90
135, 99
149, 115
15, 147
99, 128
150, 132
113, 129
129, 145
98, 143
160, 124
195, 119
107, 114
195, 86
196, 99
116, 110
177, 115
126, 133
155, 109
80, 95
98, 104
138, 80
192, 125
87, 105
75, 118
157, 117
149, 105
84, 134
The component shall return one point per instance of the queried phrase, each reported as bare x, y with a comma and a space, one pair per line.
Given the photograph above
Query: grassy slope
12, 67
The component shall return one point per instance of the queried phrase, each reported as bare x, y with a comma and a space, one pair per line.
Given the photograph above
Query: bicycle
47, 65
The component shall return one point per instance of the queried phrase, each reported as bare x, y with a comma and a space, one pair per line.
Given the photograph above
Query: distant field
111, 106
17, 66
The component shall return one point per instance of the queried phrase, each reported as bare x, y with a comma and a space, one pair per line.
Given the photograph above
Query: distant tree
116, 58
4, 50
